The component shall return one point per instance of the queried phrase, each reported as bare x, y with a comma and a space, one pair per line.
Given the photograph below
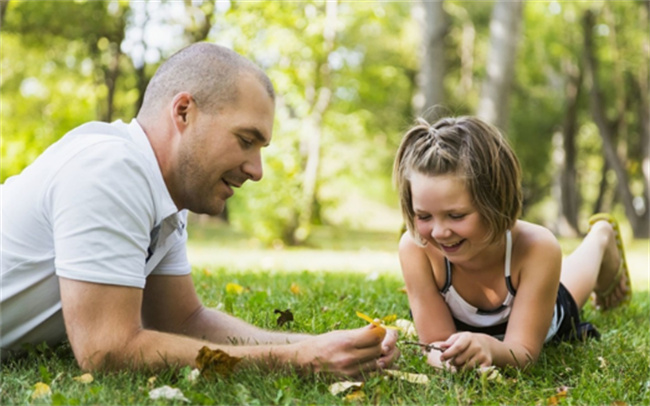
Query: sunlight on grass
336, 250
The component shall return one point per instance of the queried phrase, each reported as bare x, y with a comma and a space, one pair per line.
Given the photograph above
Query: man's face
221, 151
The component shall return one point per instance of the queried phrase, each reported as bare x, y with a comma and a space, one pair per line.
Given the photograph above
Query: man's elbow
94, 354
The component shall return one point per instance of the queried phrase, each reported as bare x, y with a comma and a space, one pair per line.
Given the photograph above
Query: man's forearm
154, 349
218, 327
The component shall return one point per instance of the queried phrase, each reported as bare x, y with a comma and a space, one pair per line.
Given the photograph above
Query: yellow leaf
560, 394
234, 288
376, 323
389, 319
41, 390
295, 289
356, 395
85, 378
152, 381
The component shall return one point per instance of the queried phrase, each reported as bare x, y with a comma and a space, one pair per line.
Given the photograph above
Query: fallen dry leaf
560, 394
341, 387
234, 288
215, 362
490, 373
407, 376
41, 390
285, 316
407, 327
85, 378
193, 375
167, 392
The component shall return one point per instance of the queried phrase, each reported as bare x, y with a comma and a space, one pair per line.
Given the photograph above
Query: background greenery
348, 77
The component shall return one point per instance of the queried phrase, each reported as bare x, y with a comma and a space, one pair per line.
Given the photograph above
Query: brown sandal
623, 270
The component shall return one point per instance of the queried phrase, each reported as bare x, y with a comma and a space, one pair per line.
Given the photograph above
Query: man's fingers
369, 336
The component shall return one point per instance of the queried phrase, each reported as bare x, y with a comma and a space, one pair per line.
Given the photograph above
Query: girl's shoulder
531, 241
527, 233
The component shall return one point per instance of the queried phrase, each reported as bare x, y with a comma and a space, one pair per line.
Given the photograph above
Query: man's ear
182, 105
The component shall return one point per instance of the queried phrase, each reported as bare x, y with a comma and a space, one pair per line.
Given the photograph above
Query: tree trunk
643, 95
569, 196
313, 124
639, 222
505, 25
3, 11
435, 27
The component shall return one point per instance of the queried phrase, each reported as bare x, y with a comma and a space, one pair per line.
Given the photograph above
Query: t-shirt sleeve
102, 213
175, 260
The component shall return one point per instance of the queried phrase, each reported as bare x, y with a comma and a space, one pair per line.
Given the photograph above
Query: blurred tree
435, 28
3, 9
504, 39
342, 95
66, 49
615, 128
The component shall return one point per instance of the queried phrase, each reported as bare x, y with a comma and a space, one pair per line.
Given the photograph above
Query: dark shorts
572, 328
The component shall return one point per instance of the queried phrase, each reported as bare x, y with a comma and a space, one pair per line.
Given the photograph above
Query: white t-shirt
93, 207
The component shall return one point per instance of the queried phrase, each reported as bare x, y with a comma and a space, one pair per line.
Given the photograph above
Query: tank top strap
511, 289
447, 284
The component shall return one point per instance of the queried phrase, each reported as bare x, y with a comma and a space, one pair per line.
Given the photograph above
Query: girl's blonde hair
471, 149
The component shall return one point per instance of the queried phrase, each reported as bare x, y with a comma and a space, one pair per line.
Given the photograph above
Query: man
93, 233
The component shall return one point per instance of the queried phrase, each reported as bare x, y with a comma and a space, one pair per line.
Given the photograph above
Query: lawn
324, 287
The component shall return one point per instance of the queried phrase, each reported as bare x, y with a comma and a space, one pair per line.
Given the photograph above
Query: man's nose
253, 167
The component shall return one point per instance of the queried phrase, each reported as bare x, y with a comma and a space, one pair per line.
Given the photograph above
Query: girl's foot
613, 286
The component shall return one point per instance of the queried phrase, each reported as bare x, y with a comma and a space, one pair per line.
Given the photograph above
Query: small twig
427, 347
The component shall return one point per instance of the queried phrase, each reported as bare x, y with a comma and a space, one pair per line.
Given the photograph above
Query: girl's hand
434, 358
467, 350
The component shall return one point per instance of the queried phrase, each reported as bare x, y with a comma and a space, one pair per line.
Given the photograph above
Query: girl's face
445, 216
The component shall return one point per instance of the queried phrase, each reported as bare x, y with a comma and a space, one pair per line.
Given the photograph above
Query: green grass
614, 370
340, 273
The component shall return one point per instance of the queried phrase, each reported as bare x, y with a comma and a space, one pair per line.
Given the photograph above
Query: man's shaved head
208, 72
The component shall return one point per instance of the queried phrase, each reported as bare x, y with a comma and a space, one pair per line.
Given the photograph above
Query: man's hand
348, 352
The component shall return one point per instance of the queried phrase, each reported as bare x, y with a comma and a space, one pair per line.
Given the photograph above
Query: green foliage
58, 59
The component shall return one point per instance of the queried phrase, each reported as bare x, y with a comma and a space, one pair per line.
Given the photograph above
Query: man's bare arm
105, 329
171, 305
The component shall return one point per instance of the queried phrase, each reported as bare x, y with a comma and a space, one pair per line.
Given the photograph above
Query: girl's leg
594, 265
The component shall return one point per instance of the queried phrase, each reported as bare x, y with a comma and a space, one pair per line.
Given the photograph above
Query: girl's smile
445, 216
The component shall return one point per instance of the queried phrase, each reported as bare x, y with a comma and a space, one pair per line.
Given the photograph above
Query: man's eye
245, 142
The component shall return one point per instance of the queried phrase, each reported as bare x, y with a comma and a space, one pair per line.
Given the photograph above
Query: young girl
484, 287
